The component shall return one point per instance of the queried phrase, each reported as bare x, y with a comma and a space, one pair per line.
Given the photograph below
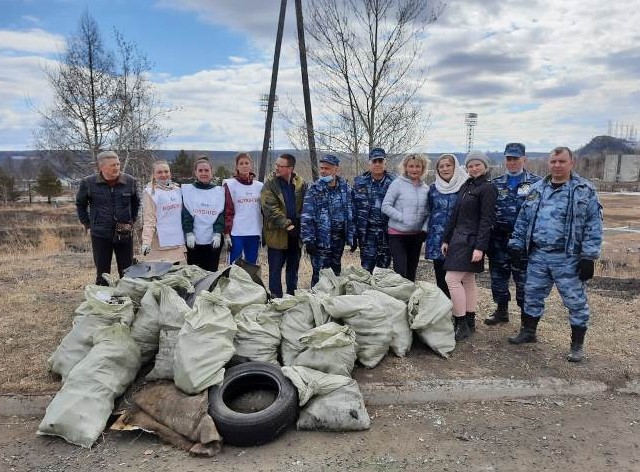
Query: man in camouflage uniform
513, 188
369, 190
560, 228
327, 219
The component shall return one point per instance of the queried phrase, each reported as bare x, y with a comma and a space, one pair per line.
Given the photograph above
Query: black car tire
258, 427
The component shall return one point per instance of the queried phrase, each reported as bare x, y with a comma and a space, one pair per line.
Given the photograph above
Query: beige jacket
150, 237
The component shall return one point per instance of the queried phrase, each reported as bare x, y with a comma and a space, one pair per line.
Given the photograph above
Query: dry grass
40, 288
41, 284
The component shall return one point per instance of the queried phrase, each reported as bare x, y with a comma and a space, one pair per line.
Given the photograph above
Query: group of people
540, 231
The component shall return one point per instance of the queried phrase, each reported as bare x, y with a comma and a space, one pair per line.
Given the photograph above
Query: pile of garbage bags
190, 323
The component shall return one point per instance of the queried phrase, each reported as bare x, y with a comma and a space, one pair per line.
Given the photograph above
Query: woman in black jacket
466, 240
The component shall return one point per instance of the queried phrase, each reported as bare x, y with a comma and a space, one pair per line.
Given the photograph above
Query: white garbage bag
430, 316
99, 309
160, 307
391, 283
205, 344
258, 337
333, 402
80, 410
396, 311
296, 321
329, 283
369, 321
330, 348
239, 290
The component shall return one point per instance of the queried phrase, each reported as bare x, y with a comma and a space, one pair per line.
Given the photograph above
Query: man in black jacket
107, 203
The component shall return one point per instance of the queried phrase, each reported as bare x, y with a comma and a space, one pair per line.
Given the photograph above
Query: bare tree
368, 74
137, 107
101, 101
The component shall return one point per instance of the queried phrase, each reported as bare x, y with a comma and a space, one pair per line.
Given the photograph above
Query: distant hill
605, 145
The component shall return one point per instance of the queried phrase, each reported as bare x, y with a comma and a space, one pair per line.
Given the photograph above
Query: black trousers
204, 256
103, 249
405, 252
438, 269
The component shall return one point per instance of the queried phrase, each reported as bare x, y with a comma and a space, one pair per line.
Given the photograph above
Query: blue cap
514, 150
330, 159
377, 153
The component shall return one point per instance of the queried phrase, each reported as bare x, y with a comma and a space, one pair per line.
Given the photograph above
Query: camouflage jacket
510, 200
582, 227
316, 217
362, 204
440, 209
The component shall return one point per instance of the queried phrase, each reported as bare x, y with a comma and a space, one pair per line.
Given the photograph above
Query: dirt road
593, 433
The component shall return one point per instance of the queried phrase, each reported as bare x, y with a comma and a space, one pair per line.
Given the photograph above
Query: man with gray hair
107, 203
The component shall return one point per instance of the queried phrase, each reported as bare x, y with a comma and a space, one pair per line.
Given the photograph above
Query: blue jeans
248, 245
277, 259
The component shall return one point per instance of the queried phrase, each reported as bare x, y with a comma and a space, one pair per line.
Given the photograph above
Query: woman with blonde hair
466, 240
162, 236
242, 212
405, 203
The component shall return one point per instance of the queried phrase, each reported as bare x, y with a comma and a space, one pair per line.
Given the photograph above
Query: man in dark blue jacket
107, 203
513, 188
327, 219
369, 190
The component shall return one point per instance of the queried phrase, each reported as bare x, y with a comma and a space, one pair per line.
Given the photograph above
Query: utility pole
305, 91
272, 92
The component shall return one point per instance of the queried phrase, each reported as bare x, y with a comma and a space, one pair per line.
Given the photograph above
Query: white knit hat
477, 156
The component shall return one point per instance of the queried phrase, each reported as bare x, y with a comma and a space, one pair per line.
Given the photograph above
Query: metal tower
470, 122
264, 106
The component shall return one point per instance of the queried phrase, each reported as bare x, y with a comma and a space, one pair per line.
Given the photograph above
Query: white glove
191, 240
145, 249
217, 239
227, 242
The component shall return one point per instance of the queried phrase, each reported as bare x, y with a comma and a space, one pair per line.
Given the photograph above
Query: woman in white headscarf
443, 194
162, 236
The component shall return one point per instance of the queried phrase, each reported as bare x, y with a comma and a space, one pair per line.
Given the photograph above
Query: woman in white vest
162, 236
242, 212
203, 217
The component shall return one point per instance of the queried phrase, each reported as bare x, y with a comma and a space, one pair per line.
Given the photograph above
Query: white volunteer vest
168, 215
247, 219
204, 205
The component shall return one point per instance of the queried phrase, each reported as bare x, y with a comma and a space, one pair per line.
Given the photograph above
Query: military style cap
330, 159
514, 150
377, 153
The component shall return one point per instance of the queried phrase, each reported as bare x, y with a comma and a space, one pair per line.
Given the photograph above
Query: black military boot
470, 316
501, 315
527, 332
461, 328
577, 341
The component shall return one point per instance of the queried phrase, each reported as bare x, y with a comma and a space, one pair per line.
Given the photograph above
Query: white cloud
545, 73
220, 109
32, 19
31, 41
238, 60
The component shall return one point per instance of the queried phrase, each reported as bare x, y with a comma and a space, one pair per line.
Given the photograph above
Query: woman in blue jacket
442, 197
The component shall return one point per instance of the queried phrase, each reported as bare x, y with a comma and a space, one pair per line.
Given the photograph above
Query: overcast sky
542, 72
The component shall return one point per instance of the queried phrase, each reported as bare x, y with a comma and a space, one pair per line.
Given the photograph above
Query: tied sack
204, 345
